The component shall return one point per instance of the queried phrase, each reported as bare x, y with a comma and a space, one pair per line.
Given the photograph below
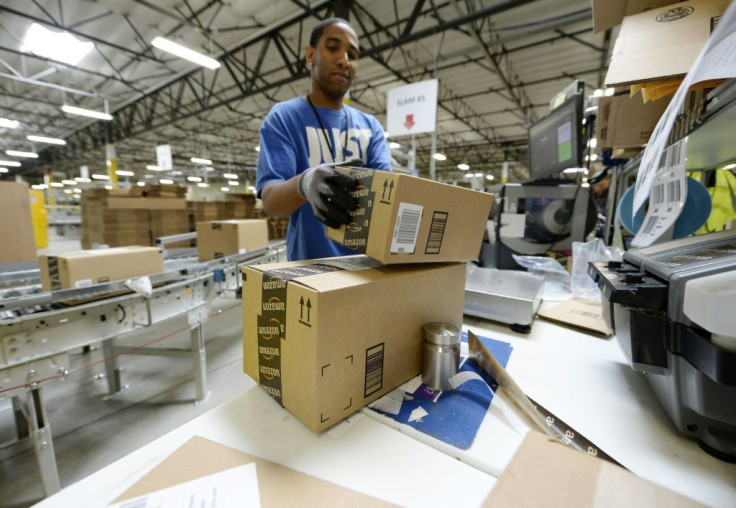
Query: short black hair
320, 27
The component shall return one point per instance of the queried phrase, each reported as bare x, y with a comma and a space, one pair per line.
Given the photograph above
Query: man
301, 138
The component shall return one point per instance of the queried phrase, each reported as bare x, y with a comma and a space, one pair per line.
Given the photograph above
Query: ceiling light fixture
185, 53
194, 179
16, 153
73, 110
393, 145
69, 182
12, 164
232, 183
3, 170
8, 124
44, 139
439, 156
203, 185
197, 160
463, 166
154, 168
100, 177
166, 181
224, 189
123, 172
59, 46
230, 176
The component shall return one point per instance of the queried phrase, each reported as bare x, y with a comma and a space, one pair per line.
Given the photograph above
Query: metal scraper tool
545, 420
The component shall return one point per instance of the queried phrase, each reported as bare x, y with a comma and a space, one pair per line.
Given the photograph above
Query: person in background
302, 138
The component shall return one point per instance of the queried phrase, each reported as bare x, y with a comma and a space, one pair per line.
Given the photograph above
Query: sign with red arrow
412, 109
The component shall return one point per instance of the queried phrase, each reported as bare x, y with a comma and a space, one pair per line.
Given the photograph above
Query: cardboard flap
279, 486
546, 473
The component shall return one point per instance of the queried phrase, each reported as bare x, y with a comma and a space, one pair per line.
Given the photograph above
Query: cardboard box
217, 239
405, 219
625, 121
546, 473
18, 242
84, 268
662, 43
326, 337
609, 13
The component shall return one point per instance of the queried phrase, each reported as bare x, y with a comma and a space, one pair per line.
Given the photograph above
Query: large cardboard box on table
663, 42
405, 219
17, 242
217, 239
625, 121
84, 268
326, 337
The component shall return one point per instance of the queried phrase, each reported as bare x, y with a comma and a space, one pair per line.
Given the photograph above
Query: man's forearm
281, 199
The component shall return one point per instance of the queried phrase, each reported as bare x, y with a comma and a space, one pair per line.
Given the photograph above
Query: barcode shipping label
666, 198
408, 219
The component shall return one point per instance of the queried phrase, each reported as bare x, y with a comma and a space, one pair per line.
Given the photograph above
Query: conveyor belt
38, 329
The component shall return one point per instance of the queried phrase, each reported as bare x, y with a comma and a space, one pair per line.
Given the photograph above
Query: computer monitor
556, 141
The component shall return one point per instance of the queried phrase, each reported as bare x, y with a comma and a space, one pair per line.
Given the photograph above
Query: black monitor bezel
573, 105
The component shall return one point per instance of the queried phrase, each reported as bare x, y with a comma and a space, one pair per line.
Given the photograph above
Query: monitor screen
555, 141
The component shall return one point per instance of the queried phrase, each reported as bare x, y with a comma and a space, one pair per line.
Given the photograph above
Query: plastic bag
581, 284
556, 277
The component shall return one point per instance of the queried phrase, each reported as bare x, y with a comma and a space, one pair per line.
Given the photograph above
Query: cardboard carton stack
277, 226
16, 226
236, 206
327, 337
120, 217
658, 43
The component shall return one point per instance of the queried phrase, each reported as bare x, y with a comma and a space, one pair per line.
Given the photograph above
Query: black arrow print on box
390, 189
308, 305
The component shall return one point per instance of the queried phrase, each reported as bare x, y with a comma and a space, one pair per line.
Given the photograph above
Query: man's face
334, 60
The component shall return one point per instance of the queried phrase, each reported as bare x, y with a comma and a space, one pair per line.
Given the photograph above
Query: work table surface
583, 379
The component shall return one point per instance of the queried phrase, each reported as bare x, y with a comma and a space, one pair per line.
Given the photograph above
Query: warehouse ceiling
499, 63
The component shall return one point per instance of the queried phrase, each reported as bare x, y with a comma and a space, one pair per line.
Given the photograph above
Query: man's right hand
328, 193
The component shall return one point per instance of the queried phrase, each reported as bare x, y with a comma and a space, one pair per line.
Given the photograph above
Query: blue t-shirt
293, 141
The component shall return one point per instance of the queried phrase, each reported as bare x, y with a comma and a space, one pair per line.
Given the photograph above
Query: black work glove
327, 192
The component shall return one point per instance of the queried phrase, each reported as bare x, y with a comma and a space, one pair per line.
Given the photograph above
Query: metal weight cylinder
441, 355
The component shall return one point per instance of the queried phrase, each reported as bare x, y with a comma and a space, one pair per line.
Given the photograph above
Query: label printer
672, 307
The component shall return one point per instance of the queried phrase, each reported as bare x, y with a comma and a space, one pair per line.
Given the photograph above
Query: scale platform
507, 296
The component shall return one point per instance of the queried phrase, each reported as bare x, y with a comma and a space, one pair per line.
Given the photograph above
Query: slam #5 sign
412, 109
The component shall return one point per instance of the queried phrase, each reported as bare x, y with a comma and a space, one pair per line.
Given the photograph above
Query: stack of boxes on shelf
657, 44
120, 217
326, 337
